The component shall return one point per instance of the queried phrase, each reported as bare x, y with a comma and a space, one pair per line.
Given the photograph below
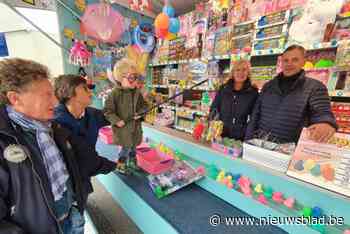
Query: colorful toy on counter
277, 197
199, 129
215, 129
259, 188
289, 202
244, 184
231, 147
178, 176
262, 199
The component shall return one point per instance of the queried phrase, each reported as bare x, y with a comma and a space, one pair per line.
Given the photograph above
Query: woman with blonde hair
235, 100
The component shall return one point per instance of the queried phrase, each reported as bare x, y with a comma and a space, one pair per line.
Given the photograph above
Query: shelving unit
272, 27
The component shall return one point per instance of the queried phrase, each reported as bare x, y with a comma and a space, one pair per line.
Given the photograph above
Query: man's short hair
295, 47
65, 86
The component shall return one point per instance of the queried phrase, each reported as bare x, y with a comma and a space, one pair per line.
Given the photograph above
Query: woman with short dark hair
73, 112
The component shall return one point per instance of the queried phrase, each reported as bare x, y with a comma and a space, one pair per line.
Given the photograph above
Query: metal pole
35, 26
165, 101
69, 9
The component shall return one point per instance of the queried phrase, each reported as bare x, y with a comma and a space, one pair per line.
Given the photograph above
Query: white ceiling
181, 6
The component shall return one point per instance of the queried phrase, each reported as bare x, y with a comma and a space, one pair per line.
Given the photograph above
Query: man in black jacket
290, 102
44, 168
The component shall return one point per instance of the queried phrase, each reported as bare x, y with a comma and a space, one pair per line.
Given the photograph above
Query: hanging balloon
144, 38
174, 25
161, 33
170, 36
162, 21
169, 11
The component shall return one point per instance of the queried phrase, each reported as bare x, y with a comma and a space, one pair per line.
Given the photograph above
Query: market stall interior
177, 45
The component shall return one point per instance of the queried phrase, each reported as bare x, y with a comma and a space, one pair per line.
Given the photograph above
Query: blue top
86, 127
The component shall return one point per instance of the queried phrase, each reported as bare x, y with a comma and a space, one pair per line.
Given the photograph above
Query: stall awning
3, 46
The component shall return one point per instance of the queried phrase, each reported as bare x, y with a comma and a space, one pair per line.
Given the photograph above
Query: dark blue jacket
26, 200
283, 116
234, 108
87, 127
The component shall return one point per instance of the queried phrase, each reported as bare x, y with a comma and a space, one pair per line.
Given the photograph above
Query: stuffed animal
313, 22
79, 54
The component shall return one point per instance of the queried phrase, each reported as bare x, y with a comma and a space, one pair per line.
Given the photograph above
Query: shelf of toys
212, 37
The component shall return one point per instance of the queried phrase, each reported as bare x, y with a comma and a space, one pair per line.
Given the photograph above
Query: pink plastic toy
201, 170
289, 202
262, 199
152, 162
277, 197
106, 135
244, 184
79, 54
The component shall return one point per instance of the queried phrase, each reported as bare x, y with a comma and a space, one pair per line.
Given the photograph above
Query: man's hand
120, 124
321, 132
137, 117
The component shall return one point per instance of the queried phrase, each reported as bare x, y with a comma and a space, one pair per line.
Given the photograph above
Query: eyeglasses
132, 77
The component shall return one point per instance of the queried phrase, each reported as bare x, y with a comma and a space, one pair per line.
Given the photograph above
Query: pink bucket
153, 162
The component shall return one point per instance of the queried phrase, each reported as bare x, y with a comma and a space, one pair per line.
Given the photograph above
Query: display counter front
190, 210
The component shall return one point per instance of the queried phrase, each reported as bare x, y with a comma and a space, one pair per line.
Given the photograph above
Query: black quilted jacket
283, 116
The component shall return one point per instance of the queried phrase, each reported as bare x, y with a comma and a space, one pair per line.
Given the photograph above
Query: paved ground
107, 216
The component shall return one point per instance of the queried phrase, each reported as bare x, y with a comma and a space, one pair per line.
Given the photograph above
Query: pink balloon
102, 22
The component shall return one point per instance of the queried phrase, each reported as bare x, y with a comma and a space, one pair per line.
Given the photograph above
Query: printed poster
325, 165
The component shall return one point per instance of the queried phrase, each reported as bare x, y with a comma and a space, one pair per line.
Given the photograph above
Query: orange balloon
170, 36
161, 33
162, 21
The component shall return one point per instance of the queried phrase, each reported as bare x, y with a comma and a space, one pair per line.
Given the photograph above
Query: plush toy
313, 22
79, 54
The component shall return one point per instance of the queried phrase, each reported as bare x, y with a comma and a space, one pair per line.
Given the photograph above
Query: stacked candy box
341, 112
176, 49
209, 43
228, 146
241, 44
243, 29
273, 18
270, 31
261, 74
343, 55
222, 41
341, 30
270, 44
